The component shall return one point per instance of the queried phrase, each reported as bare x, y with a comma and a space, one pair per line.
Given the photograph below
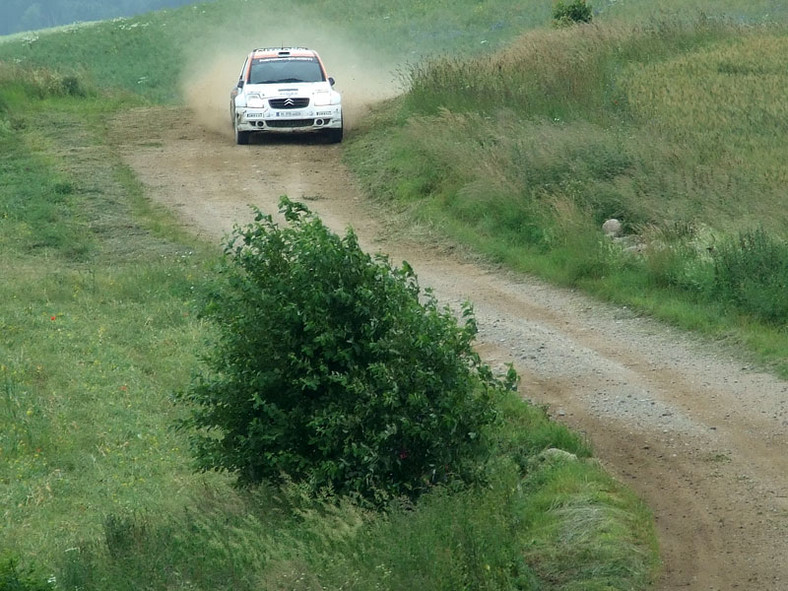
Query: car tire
335, 135
241, 137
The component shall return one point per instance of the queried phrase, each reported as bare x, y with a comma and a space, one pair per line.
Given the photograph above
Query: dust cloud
212, 71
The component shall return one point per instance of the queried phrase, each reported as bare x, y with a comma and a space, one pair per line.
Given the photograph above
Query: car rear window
294, 69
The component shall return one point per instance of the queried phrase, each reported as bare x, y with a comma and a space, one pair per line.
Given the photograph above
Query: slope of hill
98, 323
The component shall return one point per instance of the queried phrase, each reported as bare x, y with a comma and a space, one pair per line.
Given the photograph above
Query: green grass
516, 145
94, 328
738, 11
148, 54
524, 153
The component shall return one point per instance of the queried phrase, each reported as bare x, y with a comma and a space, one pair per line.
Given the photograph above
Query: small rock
554, 454
612, 228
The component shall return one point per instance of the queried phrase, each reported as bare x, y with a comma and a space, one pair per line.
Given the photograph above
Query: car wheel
335, 135
241, 137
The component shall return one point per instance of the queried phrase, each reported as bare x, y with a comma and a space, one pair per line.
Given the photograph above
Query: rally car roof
283, 52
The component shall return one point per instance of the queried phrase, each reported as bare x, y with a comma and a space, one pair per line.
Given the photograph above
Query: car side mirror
240, 84
331, 80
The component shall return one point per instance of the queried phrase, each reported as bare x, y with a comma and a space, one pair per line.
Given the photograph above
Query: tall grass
545, 73
737, 11
751, 273
517, 533
674, 124
39, 206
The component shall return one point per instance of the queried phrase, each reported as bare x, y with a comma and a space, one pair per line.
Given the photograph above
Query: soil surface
701, 436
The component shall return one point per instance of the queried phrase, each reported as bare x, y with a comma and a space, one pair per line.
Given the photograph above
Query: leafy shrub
334, 369
12, 578
752, 274
569, 13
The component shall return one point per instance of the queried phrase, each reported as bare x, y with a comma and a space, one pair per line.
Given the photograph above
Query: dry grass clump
524, 153
666, 122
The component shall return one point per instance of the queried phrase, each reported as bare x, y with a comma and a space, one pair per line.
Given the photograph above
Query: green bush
13, 578
334, 369
569, 13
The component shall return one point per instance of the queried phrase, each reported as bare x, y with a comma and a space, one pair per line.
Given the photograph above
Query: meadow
513, 138
675, 128
100, 330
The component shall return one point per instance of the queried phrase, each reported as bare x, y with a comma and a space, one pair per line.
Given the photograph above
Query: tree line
24, 15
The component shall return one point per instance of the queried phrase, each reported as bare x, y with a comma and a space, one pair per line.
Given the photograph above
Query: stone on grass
612, 228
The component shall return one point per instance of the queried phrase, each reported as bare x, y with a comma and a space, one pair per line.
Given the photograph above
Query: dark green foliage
333, 368
569, 13
752, 274
14, 578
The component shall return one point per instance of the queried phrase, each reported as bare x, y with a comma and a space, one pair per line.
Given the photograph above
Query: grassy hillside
736, 11
149, 54
677, 128
519, 145
99, 328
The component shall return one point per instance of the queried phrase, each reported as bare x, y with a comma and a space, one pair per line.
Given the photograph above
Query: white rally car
285, 90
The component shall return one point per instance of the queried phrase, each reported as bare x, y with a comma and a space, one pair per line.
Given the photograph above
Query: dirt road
702, 437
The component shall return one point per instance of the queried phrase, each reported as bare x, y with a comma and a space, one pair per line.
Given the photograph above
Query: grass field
677, 129
515, 138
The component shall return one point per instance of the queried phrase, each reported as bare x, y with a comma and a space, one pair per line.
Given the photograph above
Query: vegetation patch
570, 13
520, 150
524, 154
12, 578
335, 369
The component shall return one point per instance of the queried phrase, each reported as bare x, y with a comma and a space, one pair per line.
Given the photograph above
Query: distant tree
571, 12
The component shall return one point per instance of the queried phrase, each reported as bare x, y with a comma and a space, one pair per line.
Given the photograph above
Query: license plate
254, 115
